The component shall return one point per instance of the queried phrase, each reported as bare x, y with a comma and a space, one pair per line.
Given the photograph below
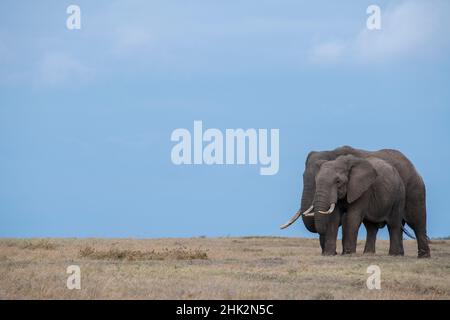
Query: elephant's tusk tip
295, 217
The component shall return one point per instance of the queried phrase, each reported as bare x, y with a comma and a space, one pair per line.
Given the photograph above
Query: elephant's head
312, 165
308, 191
346, 179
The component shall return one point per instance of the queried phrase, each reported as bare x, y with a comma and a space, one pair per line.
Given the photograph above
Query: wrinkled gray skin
367, 189
415, 208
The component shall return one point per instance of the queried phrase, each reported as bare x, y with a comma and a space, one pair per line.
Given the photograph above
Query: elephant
367, 189
415, 198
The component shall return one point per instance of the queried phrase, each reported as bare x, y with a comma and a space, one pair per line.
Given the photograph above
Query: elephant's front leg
351, 221
322, 242
330, 238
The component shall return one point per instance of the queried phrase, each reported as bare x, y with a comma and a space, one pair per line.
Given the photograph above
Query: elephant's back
388, 181
383, 168
402, 164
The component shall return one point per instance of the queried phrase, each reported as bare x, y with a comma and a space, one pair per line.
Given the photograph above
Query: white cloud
328, 51
59, 68
152, 38
408, 29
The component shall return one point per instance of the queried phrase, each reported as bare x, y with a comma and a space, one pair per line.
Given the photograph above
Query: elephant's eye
339, 182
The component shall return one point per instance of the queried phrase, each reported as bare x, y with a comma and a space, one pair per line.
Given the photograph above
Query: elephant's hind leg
395, 239
372, 230
416, 218
418, 224
422, 242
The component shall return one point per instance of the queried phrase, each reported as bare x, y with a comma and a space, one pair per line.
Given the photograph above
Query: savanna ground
215, 268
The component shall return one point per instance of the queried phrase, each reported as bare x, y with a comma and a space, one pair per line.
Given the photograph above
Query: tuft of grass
133, 255
35, 245
324, 295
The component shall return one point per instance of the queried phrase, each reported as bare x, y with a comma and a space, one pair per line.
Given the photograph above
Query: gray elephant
368, 189
414, 210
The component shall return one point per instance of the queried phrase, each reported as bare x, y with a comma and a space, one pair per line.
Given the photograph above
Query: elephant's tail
407, 233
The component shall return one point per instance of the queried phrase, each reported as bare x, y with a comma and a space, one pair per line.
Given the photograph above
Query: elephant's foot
348, 252
369, 252
396, 253
424, 255
329, 253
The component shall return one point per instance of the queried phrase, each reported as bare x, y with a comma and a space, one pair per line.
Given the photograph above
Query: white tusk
296, 216
329, 210
308, 212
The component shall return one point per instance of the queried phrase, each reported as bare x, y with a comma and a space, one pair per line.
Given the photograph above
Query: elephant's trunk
307, 200
321, 207
307, 195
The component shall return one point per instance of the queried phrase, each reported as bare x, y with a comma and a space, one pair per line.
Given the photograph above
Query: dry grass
32, 245
215, 268
165, 254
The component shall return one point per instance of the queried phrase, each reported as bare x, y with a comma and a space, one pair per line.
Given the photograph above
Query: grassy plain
215, 268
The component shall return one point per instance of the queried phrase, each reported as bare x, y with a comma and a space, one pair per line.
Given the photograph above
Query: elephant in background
415, 202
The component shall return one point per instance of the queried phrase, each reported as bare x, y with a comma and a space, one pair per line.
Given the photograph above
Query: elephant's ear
362, 175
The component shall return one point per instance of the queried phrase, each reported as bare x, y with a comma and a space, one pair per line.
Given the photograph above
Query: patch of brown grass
133, 255
34, 244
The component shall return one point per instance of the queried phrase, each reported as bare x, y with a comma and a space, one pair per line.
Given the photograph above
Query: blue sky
86, 115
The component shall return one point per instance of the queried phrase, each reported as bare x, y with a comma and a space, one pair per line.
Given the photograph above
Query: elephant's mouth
307, 213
